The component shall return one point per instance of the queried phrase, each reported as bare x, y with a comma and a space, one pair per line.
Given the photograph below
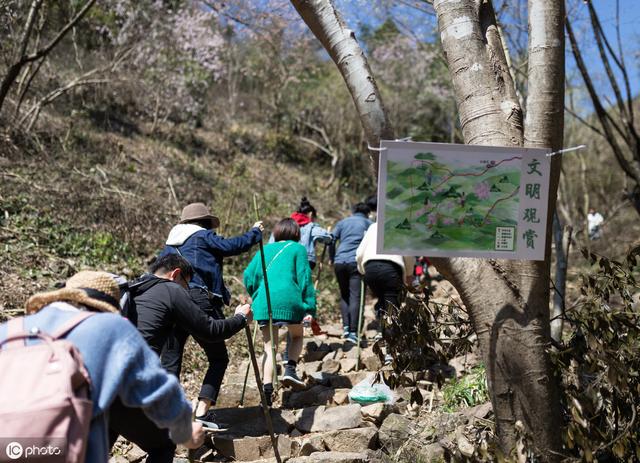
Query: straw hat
95, 290
198, 211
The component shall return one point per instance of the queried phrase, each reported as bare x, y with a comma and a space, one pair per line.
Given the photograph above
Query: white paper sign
447, 200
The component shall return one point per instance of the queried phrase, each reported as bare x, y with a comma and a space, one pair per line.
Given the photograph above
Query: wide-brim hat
95, 290
198, 211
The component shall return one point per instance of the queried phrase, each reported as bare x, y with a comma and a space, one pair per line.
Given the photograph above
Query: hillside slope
104, 197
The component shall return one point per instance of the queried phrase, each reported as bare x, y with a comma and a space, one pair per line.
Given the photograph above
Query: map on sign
462, 200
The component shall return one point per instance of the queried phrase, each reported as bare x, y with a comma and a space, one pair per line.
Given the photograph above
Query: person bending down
292, 295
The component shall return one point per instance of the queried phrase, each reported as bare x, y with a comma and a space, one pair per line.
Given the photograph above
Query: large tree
508, 301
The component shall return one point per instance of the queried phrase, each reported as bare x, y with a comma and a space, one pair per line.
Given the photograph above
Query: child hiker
292, 295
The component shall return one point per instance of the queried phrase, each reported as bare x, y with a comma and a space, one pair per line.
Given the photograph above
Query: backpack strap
71, 324
15, 327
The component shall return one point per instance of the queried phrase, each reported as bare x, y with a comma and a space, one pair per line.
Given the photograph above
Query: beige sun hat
95, 290
198, 211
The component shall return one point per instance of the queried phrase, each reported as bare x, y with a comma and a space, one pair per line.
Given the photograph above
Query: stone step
255, 448
250, 421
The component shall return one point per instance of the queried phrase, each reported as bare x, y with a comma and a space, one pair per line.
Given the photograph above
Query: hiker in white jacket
383, 273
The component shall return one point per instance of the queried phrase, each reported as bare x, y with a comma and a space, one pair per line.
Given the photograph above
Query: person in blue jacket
349, 233
131, 394
194, 239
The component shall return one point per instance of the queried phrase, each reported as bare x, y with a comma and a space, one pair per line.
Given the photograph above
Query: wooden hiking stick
266, 290
263, 399
192, 453
360, 316
246, 373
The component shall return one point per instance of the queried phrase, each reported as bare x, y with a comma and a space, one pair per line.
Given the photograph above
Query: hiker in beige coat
384, 274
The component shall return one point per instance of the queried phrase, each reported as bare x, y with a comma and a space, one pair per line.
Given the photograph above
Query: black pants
216, 352
133, 425
349, 281
384, 278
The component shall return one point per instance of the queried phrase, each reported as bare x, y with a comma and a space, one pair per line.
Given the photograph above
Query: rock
336, 354
136, 454
466, 448
349, 380
331, 366
479, 411
351, 352
310, 444
433, 453
464, 363
341, 396
251, 448
250, 421
347, 365
370, 361
335, 331
394, 432
378, 412
320, 377
333, 457
118, 459
315, 419
317, 395
351, 440
315, 351
311, 367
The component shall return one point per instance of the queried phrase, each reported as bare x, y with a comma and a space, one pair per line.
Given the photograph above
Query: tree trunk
509, 305
508, 301
323, 19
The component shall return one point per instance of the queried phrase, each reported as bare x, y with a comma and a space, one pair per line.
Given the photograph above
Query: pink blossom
432, 219
447, 221
482, 190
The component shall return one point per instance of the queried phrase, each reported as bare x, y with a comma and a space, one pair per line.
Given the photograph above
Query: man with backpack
194, 239
99, 359
159, 301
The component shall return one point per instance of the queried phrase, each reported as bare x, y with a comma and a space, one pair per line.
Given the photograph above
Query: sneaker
345, 332
208, 421
388, 359
352, 338
291, 378
378, 336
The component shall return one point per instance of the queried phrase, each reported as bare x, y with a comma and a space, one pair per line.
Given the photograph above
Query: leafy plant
422, 336
600, 363
468, 391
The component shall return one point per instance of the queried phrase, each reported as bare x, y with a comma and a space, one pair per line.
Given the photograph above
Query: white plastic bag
365, 393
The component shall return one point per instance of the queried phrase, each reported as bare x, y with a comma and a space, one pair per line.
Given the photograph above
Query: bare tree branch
14, 69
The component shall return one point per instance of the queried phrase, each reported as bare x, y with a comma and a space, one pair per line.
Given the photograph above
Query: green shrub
468, 391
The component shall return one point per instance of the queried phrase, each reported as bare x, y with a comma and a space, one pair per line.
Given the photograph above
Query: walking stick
266, 290
263, 399
360, 315
192, 453
320, 265
246, 373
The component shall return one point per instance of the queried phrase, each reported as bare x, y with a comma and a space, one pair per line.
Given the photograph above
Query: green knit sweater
290, 287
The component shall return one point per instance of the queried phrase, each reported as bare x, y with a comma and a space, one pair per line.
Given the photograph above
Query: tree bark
508, 301
325, 22
509, 305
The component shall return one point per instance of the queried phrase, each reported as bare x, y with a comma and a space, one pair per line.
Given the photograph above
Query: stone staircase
318, 424
315, 424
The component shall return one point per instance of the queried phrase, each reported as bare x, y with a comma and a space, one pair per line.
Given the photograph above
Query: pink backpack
45, 405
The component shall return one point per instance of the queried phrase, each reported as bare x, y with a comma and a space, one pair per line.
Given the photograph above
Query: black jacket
159, 304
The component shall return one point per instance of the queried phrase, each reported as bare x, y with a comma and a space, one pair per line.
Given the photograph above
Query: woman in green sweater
293, 298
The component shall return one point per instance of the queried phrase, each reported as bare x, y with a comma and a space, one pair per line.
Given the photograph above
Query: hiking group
101, 358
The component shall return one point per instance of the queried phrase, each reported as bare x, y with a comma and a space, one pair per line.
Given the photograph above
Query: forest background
140, 107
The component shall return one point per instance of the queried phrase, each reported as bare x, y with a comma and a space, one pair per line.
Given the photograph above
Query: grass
468, 391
